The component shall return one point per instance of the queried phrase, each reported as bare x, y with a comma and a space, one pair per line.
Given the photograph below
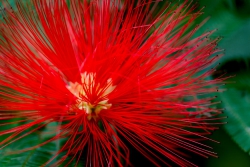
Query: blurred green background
232, 19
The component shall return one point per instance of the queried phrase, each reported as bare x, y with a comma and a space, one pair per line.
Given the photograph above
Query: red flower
110, 73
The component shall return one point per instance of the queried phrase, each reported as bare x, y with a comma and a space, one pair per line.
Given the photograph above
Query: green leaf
237, 107
35, 157
236, 44
236, 101
226, 16
228, 152
32, 158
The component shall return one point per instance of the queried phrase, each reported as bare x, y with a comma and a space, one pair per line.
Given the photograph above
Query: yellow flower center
88, 86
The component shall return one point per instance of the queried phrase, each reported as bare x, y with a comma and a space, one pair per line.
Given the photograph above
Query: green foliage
232, 19
31, 158
229, 153
13, 156
236, 101
226, 16
237, 107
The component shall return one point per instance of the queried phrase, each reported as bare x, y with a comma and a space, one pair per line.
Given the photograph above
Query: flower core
89, 87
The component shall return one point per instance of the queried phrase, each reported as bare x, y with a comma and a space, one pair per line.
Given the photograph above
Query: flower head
107, 72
